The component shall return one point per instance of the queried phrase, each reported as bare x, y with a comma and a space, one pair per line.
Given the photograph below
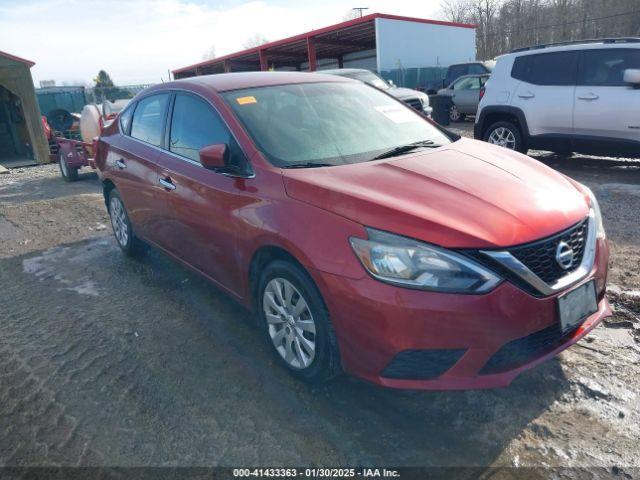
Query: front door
605, 106
466, 94
200, 207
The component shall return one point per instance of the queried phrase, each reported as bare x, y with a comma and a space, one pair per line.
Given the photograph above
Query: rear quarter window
125, 119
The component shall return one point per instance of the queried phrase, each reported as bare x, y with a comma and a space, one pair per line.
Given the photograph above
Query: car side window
555, 68
148, 119
471, 83
605, 67
125, 119
194, 125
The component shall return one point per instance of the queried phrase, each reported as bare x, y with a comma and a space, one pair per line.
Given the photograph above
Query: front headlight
597, 214
410, 263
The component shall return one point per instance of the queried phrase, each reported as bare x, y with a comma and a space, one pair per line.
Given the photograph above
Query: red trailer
67, 147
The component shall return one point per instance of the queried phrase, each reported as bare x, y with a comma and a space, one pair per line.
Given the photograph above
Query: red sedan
368, 239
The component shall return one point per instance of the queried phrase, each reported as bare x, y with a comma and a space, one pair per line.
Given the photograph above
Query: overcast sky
137, 41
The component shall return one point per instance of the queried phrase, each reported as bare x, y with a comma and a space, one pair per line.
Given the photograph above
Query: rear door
546, 91
200, 206
132, 158
606, 106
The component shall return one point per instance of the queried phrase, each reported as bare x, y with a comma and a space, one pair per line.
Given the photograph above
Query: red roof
17, 59
313, 33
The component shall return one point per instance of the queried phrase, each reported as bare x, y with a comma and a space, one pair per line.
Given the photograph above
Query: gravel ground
106, 360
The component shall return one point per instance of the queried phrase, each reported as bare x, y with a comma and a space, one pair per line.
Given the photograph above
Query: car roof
223, 82
577, 45
344, 71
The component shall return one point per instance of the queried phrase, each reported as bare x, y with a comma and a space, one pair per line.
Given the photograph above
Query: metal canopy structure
333, 42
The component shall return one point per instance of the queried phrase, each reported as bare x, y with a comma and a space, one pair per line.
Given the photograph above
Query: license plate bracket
577, 305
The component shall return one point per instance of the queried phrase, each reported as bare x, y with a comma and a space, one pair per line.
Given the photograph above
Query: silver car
465, 94
414, 98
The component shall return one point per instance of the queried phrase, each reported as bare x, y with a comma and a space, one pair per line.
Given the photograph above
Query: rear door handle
588, 96
120, 164
526, 95
166, 183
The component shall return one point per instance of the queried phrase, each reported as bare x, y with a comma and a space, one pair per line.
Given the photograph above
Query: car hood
405, 93
468, 194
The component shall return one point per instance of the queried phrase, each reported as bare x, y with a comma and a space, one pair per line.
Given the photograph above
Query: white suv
577, 97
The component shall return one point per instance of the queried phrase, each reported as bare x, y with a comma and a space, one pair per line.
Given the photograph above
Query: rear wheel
297, 323
505, 134
121, 224
455, 115
70, 174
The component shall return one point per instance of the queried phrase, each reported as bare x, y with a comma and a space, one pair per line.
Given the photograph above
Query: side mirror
632, 75
390, 82
214, 157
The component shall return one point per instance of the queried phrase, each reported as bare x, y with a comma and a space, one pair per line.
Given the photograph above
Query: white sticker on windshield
397, 114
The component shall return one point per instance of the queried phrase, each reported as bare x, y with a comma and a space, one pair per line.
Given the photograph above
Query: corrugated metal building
22, 137
397, 47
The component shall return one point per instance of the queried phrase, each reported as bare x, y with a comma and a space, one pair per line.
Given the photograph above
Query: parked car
578, 97
414, 98
465, 94
469, 68
366, 238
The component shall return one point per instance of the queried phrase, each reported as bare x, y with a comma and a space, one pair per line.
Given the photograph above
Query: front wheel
505, 134
297, 322
69, 174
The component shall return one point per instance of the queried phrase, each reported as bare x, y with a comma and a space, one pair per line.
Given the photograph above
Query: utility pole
360, 10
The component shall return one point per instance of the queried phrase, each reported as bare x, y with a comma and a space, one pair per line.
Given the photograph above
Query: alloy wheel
119, 221
290, 322
503, 137
454, 114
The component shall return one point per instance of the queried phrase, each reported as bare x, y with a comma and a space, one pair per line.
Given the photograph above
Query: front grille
414, 103
540, 256
422, 364
523, 350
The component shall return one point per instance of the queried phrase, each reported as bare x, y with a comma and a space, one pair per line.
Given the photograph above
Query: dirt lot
106, 360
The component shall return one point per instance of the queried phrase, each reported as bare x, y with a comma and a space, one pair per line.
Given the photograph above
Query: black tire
518, 145
69, 174
326, 361
132, 246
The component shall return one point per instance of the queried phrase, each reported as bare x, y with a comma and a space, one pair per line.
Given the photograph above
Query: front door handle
120, 164
589, 96
526, 95
166, 183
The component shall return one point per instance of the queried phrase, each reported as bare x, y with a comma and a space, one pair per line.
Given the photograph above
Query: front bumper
376, 323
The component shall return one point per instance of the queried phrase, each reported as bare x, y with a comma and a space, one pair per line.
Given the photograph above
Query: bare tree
255, 40
210, 54
503, 25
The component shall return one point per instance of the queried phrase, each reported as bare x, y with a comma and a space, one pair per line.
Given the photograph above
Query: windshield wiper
399, 150
308, 165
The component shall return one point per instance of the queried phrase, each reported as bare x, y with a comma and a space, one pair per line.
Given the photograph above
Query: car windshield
319, 124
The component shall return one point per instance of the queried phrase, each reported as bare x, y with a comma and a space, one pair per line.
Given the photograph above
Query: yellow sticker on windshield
246, 100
